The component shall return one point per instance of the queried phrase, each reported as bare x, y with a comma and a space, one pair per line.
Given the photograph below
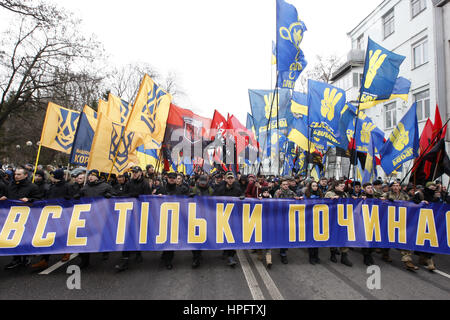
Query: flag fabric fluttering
60, 125
290, 58
83, 137
370, 169
326, 104
114, 148
403, 144
401, 91
118, 109
366, 132
150, 112
381, 70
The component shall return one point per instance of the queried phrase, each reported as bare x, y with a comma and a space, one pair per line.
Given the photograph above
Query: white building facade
410, 28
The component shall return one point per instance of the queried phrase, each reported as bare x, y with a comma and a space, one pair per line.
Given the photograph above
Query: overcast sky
218, 49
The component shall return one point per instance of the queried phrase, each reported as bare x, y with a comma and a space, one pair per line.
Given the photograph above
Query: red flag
219, 125
242, 136
427, 136
438, 124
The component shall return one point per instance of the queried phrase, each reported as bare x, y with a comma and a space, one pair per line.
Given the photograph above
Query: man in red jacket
254, 187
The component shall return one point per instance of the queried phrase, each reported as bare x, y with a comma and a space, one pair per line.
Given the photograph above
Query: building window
417, 6
420, 53
388, 23
423, 105
360, 42
390, 115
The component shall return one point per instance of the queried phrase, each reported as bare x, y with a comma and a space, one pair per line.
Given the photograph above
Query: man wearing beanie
41, 181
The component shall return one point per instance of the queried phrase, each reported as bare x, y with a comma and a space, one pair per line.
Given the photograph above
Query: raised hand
400, 137
329, 102
375, 61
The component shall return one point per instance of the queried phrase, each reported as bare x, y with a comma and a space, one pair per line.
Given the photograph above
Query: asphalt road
250, 280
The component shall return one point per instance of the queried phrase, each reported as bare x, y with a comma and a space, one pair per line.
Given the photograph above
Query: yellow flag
150, 112
118, 109
103, 107
90, 112
108, 145
59, 128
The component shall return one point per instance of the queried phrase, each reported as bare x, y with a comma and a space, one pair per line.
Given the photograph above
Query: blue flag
326, 104
370, 169
367, 130
290, 58
381, 70
262, 102
403, 144
84, 136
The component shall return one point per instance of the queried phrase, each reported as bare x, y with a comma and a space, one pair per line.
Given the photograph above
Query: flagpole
37, 160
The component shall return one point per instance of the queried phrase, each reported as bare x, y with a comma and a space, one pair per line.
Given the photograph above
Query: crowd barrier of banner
152, 223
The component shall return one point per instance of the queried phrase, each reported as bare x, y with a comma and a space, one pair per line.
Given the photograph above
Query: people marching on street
80, 183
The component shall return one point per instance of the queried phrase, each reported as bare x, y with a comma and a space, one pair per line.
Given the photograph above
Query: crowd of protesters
55, 183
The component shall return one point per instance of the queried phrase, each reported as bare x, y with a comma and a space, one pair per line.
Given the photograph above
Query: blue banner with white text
152, 223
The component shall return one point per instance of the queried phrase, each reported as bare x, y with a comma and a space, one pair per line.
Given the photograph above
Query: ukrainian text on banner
152, 223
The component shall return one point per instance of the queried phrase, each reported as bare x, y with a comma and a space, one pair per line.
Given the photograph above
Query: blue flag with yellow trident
381, 70
83, 138
326, 104
290, 58
59, 128
403, 144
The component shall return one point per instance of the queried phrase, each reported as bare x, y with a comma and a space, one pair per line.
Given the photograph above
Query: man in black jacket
137, 185
20, 189
171, 189
78, 184
41, 182
59, 189
94, 188
229, 188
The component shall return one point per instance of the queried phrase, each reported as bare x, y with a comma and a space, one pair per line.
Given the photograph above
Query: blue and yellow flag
403, 144
262, 102
150, 112
59, 128
148, 156
274, 53
290, 58
326, 104
83, 138
299, 105
113, 142
366, 131
370, 169
401, 91
299, 135
381, 70
118, 110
